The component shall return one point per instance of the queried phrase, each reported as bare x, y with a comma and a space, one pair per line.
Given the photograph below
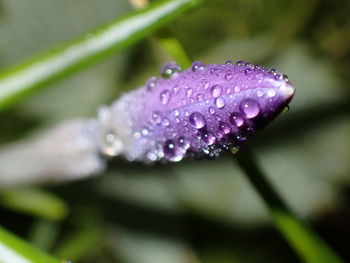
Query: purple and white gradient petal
196, 112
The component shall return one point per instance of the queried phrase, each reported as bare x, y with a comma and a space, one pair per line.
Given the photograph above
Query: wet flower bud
196, 112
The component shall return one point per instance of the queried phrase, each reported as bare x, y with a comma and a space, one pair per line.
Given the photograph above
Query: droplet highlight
250, 108
197, 120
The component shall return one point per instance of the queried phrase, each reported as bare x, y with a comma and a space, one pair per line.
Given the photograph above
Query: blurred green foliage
190, 212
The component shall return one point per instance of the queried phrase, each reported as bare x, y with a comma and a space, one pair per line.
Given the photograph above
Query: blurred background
192, 211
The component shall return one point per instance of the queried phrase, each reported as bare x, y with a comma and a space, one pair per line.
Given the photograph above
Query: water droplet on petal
176, 113
157, 117
219, 102
171, 151
216, 90
151, 156
278, 76
228, 76
197, 66
197, 120
111, 145
248, 71
165, 96
151, 83
229, 62
189, 92
205, 83
211, 110
183, 143
175, 89
250, 108
260, 93
169, 69
144, 131
208, 138
166, 122
236, 119
236, 89
273, 71
240, 62
200, 97
224, 127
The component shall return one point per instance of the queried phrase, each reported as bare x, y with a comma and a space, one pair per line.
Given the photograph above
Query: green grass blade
33, 201
22, 80
13, 249
305, 242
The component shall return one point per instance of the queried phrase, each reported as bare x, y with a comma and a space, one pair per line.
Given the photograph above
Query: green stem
13, 249
310, 247
17, 82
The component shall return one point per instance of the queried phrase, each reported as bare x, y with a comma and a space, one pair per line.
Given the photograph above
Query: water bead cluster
197, 112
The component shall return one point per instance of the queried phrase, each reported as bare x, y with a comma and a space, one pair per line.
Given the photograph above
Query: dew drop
111, 145
171, 152
176, 113
219, 102
197, 120
211, 110
285, 77
250, 108
216, 91
157, 117
208, 138
236, 89
189, 92
151, 156
165, 96
228, 76
205, 84
183, 143
236, 119
224, 127
151, 83
248, 71
240, 62
175, 89
197, 66
273, 71
278, 76
200, 97
286, 109
229, 62
260, 93
166, 122
144, 132
170, 69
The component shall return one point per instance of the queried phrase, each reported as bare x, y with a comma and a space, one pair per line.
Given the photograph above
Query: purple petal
199, 111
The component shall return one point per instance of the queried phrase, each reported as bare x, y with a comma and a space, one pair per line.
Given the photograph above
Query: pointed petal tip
287, 91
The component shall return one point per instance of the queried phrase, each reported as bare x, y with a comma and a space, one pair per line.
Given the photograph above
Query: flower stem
306, 243
13, 249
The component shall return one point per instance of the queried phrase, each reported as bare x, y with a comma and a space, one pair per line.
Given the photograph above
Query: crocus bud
196, 112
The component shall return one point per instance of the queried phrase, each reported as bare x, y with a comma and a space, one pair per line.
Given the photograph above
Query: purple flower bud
199, 111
